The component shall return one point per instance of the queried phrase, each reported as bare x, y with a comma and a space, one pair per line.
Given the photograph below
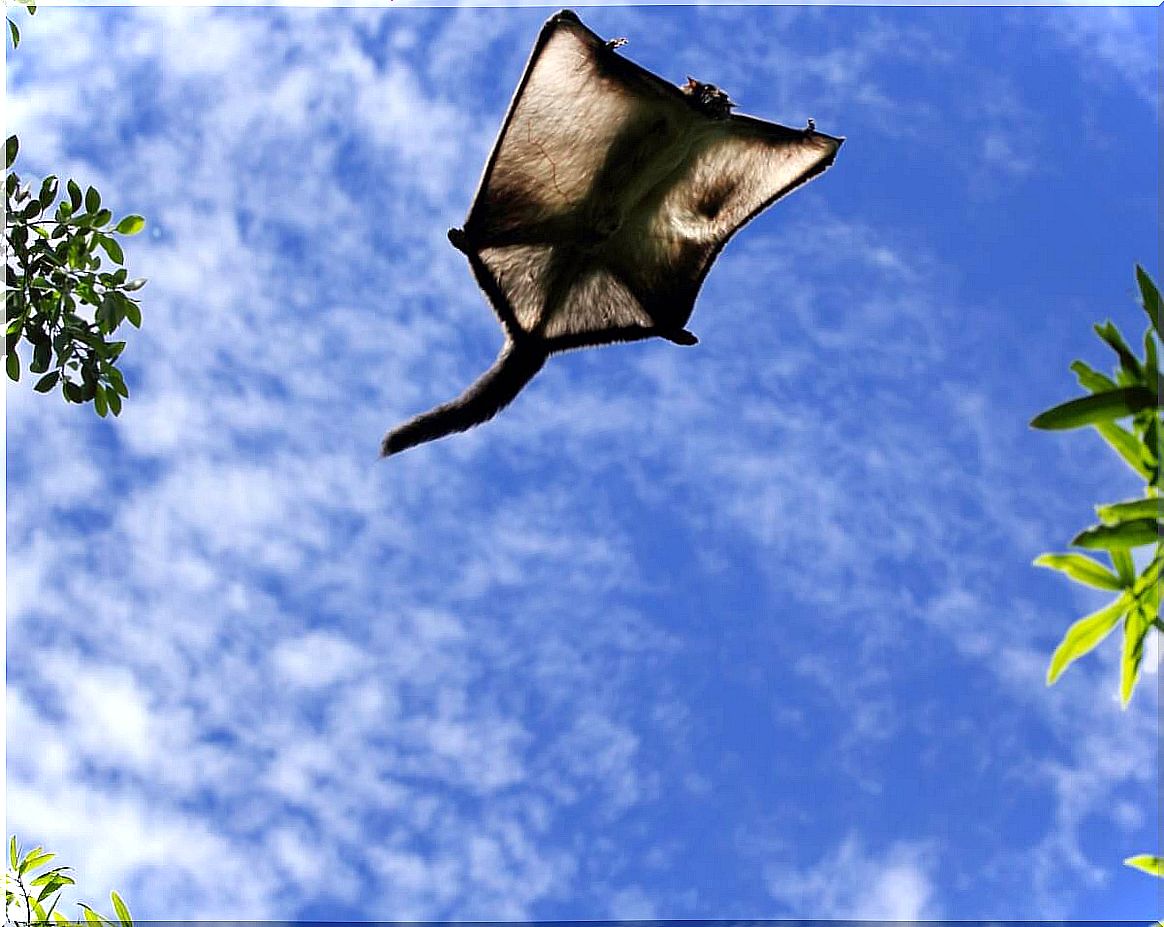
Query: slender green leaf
114, 401
1150, 295
29, 861
100, 406
1081, 569
1127, 445
1128, 361
12, 364
1100, 407
1121, 559
11, 147
13, 852
121, 909
1126, 534
1125, 511
1085, 634
1151, 575
1153, 865
91, 916
1135, 630
53, 884
93, 200
15, 33
54, 873
130, 225
132, 313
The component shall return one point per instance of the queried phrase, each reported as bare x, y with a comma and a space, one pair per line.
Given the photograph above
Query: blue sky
743, 630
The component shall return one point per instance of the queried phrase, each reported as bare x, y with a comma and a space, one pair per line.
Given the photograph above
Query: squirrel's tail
494, 390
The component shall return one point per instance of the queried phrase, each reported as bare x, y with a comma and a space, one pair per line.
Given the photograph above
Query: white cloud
317, 660
852, 883
1113, 41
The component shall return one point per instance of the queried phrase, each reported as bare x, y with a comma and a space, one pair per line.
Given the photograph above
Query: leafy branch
31, 895
60, 299
1132, 392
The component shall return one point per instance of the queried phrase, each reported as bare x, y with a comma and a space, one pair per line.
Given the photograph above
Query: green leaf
92, 200
1135, 630
99, 404
101, 217
1125, 444
114, 401
1134, 533
11, 147
130, 225
1126, 568
1153, 865
40, 859
75, 199
118, 382
1126, 511
42, 356
15, 33
48, 191
1085, 634
53, 882
1150, 295
48, 381
12, 364
91, 916
1149, 453
1128, 361
1082, 569
121, 909
1101, 407
132, 313
112, 248
13, 852
30, 860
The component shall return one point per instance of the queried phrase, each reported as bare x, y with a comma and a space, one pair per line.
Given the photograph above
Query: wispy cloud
1114, 43
851, 883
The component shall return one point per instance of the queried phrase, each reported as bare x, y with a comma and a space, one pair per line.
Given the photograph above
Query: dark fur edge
515, 366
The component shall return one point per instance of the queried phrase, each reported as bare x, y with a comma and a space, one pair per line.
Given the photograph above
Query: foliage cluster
60, 299
1133, 393
32, 890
